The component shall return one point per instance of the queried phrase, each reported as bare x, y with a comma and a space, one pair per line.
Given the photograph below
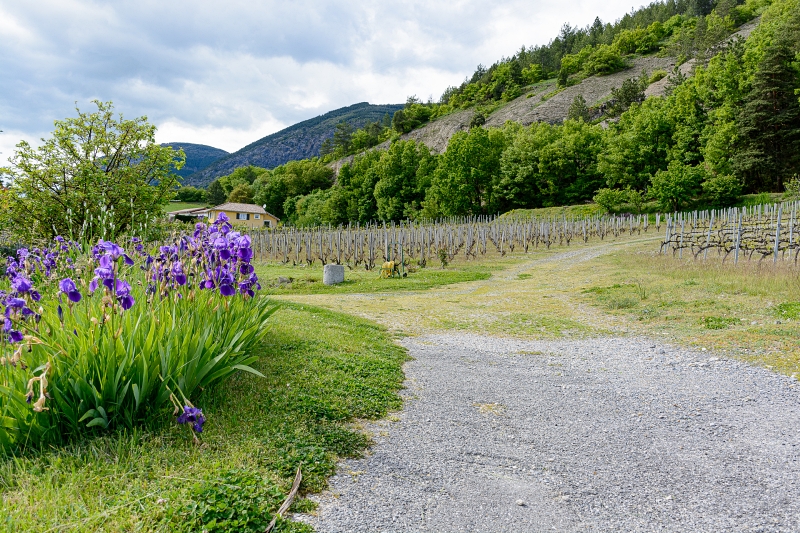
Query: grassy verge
323, 371
751, 310
308, 279
177, 206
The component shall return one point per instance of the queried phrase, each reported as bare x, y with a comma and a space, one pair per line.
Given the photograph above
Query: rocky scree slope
535, 106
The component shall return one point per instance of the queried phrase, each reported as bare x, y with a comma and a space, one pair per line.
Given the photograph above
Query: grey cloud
238, 64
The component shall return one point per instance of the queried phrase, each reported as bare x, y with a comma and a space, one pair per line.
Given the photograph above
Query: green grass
308, 279
324, 370
749, 311
177, 206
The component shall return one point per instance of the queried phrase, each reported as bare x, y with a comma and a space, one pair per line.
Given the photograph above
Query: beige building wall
251, 222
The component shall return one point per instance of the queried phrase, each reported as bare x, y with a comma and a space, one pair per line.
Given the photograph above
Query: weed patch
788, 310
718, 322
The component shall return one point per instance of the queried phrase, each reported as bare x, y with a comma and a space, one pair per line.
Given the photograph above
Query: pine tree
769, 123
215, 194
578, 109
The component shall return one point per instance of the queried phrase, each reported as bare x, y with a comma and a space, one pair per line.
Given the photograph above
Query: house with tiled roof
250, 215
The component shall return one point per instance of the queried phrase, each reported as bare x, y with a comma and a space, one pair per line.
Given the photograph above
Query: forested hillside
703, 117
198, 156
300, 141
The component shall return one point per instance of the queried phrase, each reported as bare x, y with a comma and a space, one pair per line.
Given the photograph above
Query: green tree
721, 191
631, 92
676, 186
462, 183
518, 185
404, 175
550, 165
98, 174
578, 110
190, 194
295, 178
215, 194
353, 197
246, 175
604, 59
769, 123
637, 146
242, 194
610, 199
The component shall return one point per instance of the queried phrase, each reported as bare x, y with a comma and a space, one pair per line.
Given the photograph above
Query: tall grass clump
101, 338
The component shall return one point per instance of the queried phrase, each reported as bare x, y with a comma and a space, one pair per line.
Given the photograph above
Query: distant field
177, 206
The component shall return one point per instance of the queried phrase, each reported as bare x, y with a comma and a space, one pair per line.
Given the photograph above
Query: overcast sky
227, 73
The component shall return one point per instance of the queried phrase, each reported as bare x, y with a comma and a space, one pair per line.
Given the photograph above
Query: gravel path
616, 434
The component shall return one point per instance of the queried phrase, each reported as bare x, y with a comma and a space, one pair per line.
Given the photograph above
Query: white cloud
227, 74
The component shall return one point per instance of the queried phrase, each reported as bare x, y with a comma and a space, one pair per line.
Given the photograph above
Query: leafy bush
792, 187
533, 73
657, 75
604, 60
113, 350
722, 191
190, 194
610, 199
677, 185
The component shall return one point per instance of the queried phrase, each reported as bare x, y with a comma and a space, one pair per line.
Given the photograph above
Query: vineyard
756, 232
753, 232
467, 238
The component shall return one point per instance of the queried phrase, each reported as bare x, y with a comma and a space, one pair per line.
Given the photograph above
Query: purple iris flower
226, 289
178, 275
111, 248
106, 268
194, 416
35, 296
245, 254
16, 303
20, 284
123, 292
15, 336
69, 288
128, 260
93, 285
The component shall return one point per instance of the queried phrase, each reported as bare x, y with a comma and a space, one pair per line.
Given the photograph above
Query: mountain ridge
299, 141
198, 156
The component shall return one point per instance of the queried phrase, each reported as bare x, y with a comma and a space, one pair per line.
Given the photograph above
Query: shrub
533, 73
792, 188
722, 191
610, 199
115, 338
657, 75
677, 185
604, 60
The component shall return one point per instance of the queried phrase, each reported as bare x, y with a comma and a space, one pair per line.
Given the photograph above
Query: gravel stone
610, 434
